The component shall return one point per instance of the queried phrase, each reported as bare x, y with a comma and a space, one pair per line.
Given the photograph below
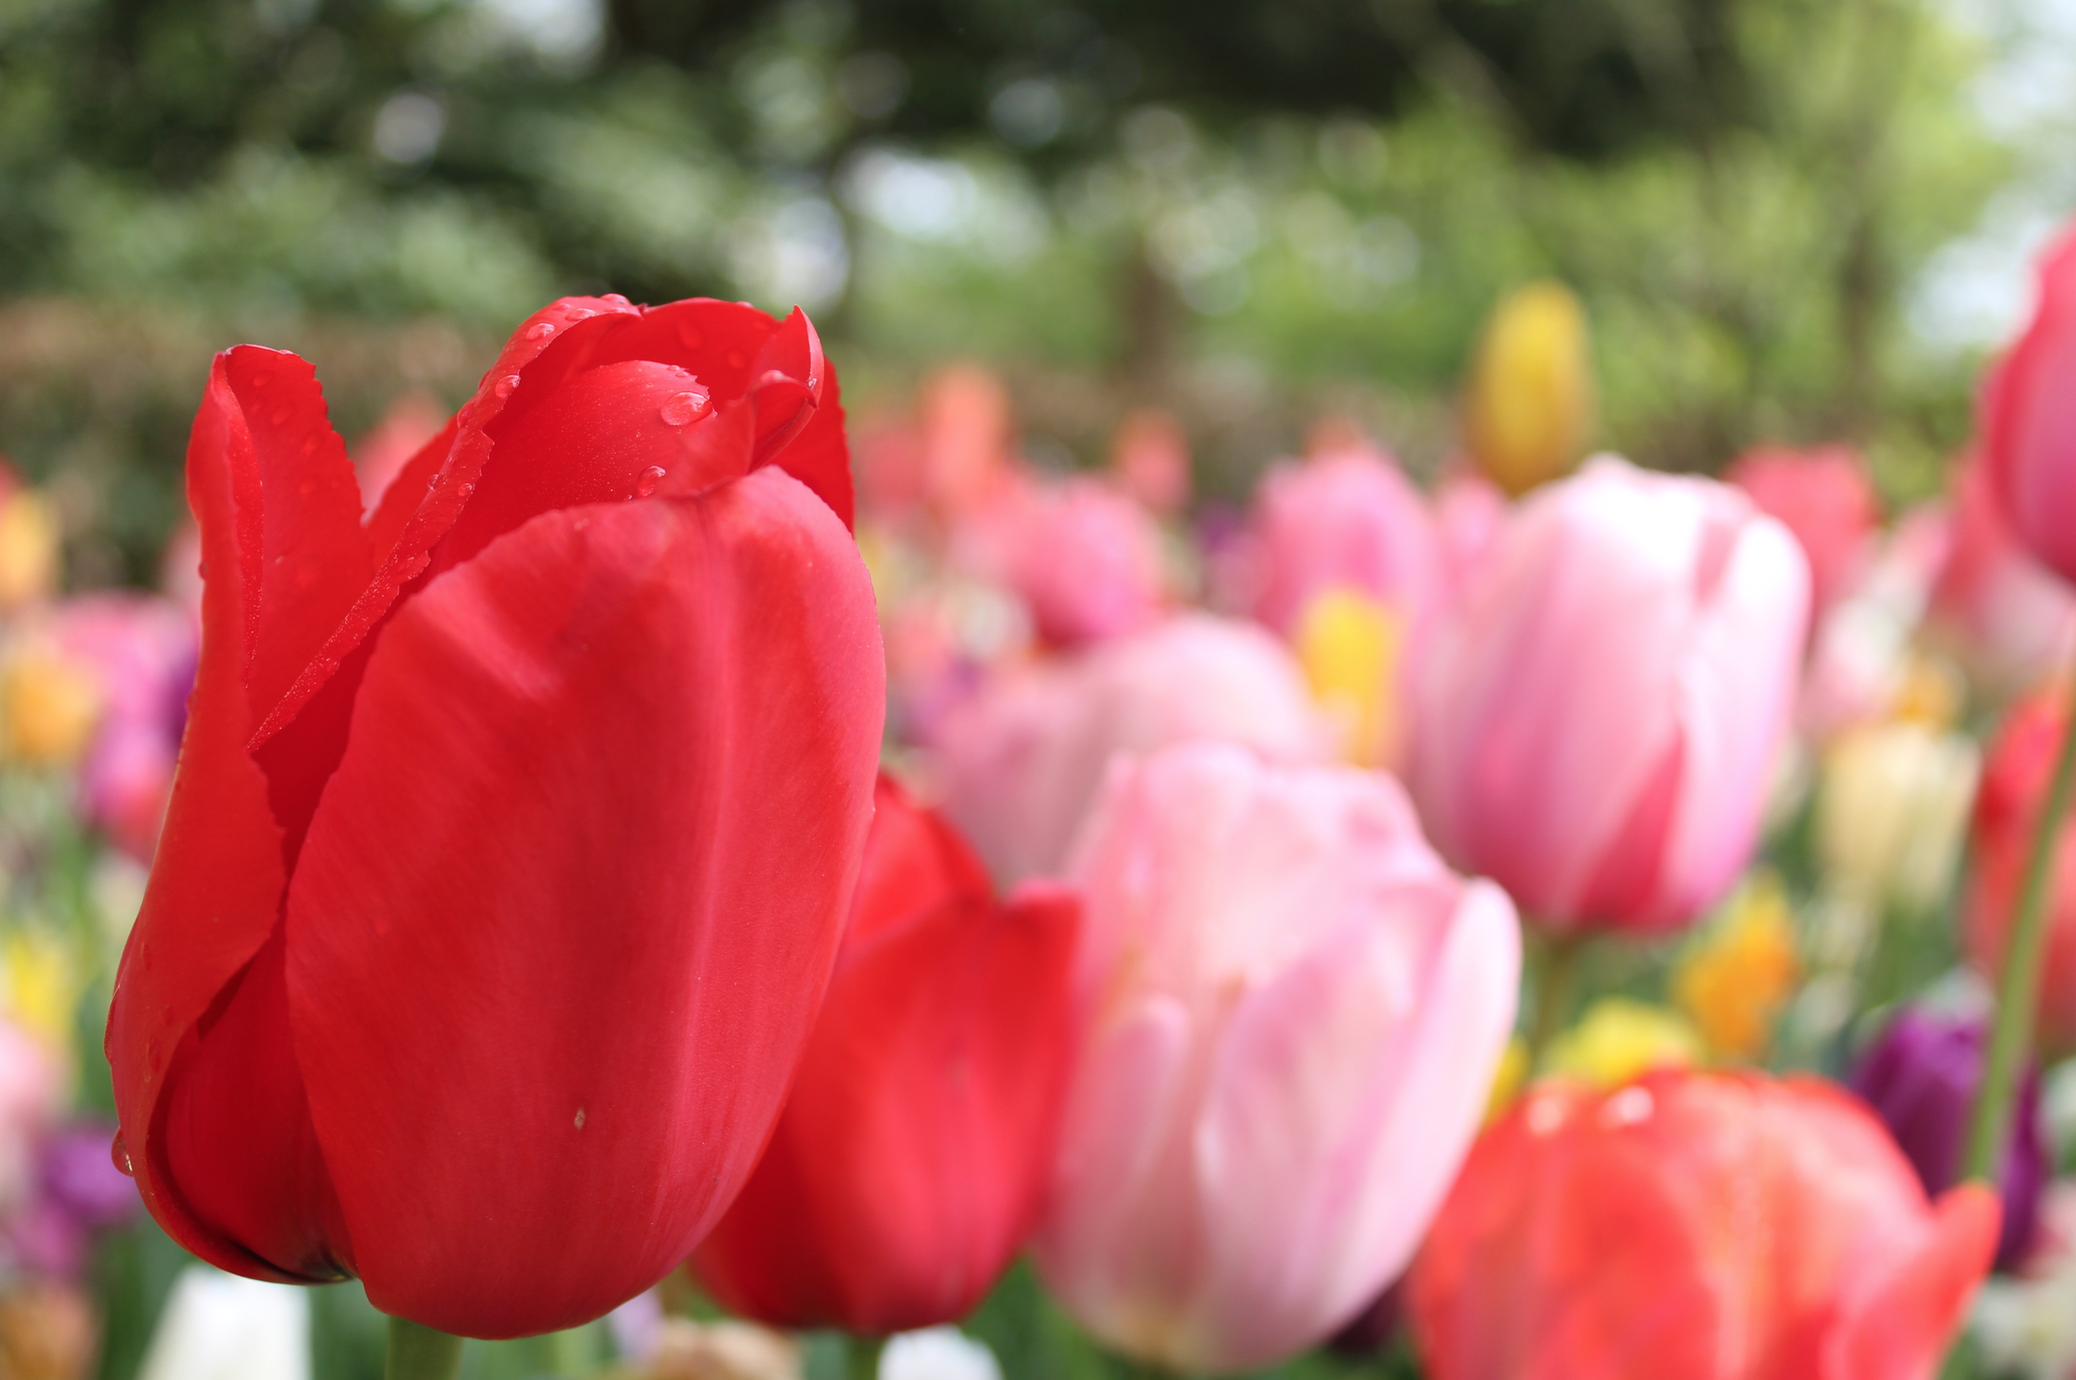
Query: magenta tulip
1292, 1012
2029, 418
1599, 716
1023, 758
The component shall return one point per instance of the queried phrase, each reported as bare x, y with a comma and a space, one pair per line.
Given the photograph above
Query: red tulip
907, 1165
2007, 812
1826, 498
2029, 418
1710, 1227
493, 1001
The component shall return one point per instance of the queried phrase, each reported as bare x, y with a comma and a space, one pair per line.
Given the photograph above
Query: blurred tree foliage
1250, 209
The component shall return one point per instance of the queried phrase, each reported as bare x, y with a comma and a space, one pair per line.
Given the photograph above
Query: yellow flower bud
1529, 405
1741, 971
1619, 1039
28, 548
48, 708
1349, 645
43, 986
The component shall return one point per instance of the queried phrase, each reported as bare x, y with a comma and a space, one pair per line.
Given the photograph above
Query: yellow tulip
1529, 404
28, 548
1741, 971
43, 986
48, 707
1349, 645
1619, 1039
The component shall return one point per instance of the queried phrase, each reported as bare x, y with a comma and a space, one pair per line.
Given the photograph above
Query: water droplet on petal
280, 416
615, 298
691, 337
680, 409
737, 359
580, 1118
505, 385
120, 1153
464, 490
645, 483
540, 330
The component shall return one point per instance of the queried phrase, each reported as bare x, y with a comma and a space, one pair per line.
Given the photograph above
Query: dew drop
615, 298
505, 385
645, 483
280, 416
691, 337
737, 359
120, 1153
680, 409
580, 1118
464, 490
540, 330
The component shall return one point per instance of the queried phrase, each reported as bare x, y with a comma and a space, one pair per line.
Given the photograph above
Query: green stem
420, 1353
570, 1352
2018, 988
1555, 978
861, 1356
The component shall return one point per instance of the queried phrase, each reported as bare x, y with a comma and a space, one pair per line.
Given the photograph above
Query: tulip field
1331, 692
669, 878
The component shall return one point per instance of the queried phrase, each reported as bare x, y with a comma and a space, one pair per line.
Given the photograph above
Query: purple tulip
1921, 1076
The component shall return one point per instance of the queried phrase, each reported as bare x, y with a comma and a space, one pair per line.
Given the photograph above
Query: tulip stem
1555, 978
417, 1352
861, 1356
2018, 987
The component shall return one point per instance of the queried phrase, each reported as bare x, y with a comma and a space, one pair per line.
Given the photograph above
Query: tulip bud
1292, 1014
2007, 810
2028, 426
1734, 980
1703, 1226
1826, 498
1350, 646
1529, 404
1922, 1075
1892, 810
1599, 715
48, 707
1619, 1040
28, 548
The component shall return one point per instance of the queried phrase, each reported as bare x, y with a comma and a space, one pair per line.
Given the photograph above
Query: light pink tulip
1345, 518
1292, 1015
1600, 715
2029, 418
1020, 761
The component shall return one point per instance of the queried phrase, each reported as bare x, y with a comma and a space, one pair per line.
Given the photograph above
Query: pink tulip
141, 652
2011, 620
1343, 518
1292, 1014
2029, 418
1826, 498
1086, 559
1599, 716
1020, 761
1470, 511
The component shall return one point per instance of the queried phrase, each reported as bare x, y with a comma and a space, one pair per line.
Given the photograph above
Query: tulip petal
408, 537
1900, 1327
1325, 1204
911, 1149
568, 905
215, 891
1124, 1095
